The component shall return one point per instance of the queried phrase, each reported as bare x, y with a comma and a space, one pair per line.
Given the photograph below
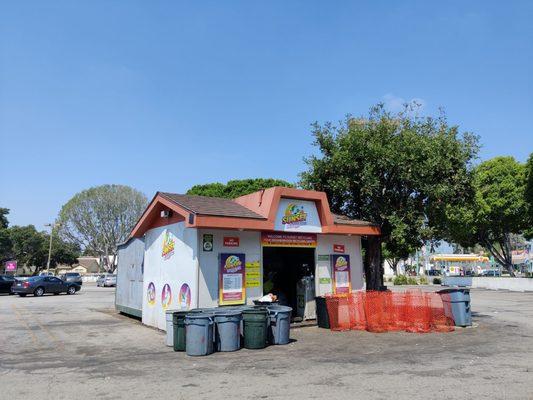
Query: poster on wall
207, 242
231, 279
253, 274
340, 264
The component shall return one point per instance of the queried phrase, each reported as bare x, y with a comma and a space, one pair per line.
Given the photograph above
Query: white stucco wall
249, 244
176, 270
492, 283
129, 290
352, 245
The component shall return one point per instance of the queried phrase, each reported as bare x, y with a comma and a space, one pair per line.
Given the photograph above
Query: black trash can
322, 317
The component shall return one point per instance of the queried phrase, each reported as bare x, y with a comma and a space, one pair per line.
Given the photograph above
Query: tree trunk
373, 264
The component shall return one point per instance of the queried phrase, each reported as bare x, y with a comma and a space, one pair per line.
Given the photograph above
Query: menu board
340, 265
231, 279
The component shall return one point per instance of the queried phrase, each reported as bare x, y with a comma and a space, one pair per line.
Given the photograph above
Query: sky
162, 95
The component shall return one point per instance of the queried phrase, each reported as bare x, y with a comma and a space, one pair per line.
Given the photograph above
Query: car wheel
71, 290
22, 294
38, 292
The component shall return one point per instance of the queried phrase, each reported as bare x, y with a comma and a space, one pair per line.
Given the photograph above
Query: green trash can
178, 326
255, 327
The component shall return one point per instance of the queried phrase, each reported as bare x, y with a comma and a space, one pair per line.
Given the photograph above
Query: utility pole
52, 226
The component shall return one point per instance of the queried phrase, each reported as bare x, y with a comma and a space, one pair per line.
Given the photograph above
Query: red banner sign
282, 239
231, 241
338, 248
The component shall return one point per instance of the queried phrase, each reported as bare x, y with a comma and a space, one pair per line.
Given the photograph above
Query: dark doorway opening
283, 267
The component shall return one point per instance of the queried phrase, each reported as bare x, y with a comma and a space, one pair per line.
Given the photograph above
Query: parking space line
22, 320
38, 322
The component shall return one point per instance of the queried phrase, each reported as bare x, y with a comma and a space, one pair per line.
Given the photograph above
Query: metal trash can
280, 324
170, 331
199, 334
228, 330
178, 327
457, 305
255, 327
322, 317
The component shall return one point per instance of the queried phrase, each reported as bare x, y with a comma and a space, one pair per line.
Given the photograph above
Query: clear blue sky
161, 95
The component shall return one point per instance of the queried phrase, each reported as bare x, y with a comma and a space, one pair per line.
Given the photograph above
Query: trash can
280, 324
457, 305
255, 325
228, 330
322, 317
178, 327
170, 330
199, 334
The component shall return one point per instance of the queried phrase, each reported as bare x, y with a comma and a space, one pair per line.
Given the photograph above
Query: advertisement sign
168, 245
166, 296
253, 274
279, 239
231, 279
338, 248
340, 264
150, 294
207, 242
294, 215
231, 241
11, 266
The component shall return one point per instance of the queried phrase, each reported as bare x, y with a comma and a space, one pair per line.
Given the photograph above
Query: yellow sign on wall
253, 274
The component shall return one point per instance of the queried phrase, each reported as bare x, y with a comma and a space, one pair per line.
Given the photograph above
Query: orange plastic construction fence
411, 311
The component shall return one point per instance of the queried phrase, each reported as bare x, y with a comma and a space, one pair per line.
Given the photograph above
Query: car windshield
34, 278
73, 274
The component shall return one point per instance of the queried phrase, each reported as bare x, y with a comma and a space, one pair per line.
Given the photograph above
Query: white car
106, 280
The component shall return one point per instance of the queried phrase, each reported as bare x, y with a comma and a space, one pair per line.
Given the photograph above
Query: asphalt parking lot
77, 347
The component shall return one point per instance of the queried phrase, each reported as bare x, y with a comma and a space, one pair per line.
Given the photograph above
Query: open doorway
283, 267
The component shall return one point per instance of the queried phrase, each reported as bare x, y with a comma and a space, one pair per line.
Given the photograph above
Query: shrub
437, 281
400, 280
423, 280
412, 281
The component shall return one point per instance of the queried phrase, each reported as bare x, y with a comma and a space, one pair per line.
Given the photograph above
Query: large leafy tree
496, 212
397, 170
28, 246
236, 188
99, 218
5, 240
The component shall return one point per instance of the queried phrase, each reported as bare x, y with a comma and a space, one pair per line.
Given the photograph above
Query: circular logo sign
166, 296
150, 294
185, 296
208, 246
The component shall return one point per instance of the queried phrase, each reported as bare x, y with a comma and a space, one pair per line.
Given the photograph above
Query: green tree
236, 188
6, 247
396, 170
497, 210
99, 218
3, 218
29, 246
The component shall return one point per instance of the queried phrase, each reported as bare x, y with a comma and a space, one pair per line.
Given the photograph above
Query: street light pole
52, 226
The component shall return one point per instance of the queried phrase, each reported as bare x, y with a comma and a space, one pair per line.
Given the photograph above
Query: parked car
491, 272
39, 285
44, 273
6, 281
73, 277
106, 280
